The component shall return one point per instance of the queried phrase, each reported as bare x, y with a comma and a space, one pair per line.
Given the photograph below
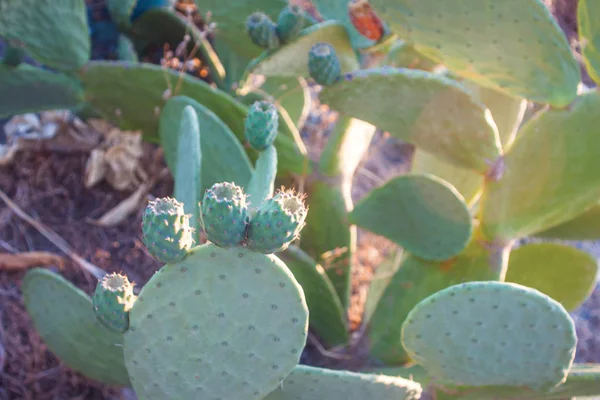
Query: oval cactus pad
585, 226
550, 174
421, 213
310, 383
491, 333
513, 45
292, 59
428, 110
63, 316
221, 324
589, 36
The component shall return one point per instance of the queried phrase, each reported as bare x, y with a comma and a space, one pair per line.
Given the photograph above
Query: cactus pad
45, 90
564, 273
323, 64
589, 35
421, 213
491, 333
308, 383
222, 323
431, 111
262, 31
327, 315
63, 316
112, 301
513, 45
416, 279
166, 230
217, 142
585, 226
549, 175
54, 32
277, 222
404, 55
121, 10
225, 214
261, 124
290, 22
13, 55
292, 60
262, 183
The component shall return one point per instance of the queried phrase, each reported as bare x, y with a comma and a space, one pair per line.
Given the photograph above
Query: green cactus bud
262, 31
166, 230
261, 125
289, 23
225, 214
277, 223
323, 64
112, 301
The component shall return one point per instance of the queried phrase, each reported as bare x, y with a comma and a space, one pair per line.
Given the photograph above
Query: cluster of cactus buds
267, 34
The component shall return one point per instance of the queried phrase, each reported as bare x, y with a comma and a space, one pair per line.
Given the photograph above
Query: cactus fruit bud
365, 20
277, 223
166, 230
262, 31
112, 301
225, 214
323, 64
261, 125
289, 23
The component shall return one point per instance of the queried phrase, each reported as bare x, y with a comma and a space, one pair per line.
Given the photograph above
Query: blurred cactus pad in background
238, 136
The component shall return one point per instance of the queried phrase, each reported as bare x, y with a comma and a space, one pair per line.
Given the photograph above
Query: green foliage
121, 10
585, 226
64, 318
589, 35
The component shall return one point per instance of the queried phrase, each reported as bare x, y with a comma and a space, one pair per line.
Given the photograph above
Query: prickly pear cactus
225, 214
493, 333
585, 226
261, 125
262, 184
589, 35
277, 223
305, 383
365, 20
290, 22
324, 64
166, 231
223, 323
262, 30
112, 301
63, 316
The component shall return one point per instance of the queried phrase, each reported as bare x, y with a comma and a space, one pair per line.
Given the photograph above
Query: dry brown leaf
95, 168
117, 214
20, 261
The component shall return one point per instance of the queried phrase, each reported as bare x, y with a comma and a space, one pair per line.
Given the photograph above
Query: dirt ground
48, 186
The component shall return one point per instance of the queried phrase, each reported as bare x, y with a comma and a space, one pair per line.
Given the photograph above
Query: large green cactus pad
63, 316
222, 323
327, 316
589, 34
513, 45
45, 90
431, 111
404, 55
53, 32
414, 372
585, 226
292, 59
550, 173
381, 279
583, 380
131, 95
566, 274
217, 143
422, 213
309, 383
417, 279
491, 333
467, 182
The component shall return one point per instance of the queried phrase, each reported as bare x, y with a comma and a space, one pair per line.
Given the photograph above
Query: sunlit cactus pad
515, 45
54, 32
585, 226
428, 110
550, 174
310, 383
46, 90
63, 316
589, 34
491, 333
223, 323
422, 213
